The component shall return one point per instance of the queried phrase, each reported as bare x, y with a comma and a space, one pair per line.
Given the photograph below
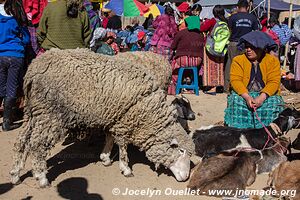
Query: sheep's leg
105, 155
50, 133
20, 154
39, 167
19, 163
123, 161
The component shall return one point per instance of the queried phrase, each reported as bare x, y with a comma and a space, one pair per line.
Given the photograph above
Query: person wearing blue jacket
14, 37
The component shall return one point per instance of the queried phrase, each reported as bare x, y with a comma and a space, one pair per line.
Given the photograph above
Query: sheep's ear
174, 143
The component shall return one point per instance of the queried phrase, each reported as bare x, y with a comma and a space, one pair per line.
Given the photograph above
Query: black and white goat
185, 112
217, 139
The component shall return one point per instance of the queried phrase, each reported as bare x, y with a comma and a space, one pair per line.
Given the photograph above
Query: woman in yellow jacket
255, 85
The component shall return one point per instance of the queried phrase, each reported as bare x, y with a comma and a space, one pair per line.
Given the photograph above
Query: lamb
66, 89
286, 179
216, 139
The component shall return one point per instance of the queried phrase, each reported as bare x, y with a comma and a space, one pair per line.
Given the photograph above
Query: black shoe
7, 124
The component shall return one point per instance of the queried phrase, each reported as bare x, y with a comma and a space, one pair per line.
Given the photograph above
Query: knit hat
184, 7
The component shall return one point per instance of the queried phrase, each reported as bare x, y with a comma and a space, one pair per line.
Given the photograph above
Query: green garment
193, 22
104, 48
238, 114
57, 30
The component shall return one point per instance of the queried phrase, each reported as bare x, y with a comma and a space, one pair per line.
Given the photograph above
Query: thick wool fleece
65, 89
156, 63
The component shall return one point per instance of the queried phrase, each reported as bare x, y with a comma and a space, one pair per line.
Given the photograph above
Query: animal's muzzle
191, 116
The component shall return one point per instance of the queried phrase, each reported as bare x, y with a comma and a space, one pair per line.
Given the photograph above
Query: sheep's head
180, 167
173, 150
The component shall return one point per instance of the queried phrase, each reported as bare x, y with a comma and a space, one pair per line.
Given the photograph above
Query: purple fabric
33, 39
93, 16
165, 30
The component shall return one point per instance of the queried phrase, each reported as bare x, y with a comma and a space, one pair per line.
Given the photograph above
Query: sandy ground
76, 173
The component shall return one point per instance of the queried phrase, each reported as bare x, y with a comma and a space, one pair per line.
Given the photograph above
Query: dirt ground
76, 173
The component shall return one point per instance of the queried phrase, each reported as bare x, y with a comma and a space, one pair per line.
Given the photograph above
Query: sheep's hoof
128, 175
106, 163
15, 179
44, 183
104, 157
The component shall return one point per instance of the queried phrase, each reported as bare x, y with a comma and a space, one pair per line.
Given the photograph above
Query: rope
246, 149
268, 132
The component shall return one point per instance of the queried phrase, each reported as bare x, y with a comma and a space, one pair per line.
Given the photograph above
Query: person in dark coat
240, 24
114, 22
148, 22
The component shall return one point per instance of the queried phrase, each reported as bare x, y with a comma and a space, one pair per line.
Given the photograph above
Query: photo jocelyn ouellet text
149, 192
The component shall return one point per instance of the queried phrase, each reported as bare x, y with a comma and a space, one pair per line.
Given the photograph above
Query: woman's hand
258, 101
249, 100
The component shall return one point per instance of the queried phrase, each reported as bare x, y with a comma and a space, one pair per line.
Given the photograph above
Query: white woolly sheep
65, 89
156, 63
184, 113
161, 69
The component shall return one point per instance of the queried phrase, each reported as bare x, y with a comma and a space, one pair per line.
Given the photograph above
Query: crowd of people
224, 49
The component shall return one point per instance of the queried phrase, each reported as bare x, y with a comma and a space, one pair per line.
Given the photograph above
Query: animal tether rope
268, 132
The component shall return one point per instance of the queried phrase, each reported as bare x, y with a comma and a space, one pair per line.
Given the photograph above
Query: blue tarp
276, 5
257, 39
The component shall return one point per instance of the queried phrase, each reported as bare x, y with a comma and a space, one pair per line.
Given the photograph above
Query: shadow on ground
5, 187
75, 188
81, 153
